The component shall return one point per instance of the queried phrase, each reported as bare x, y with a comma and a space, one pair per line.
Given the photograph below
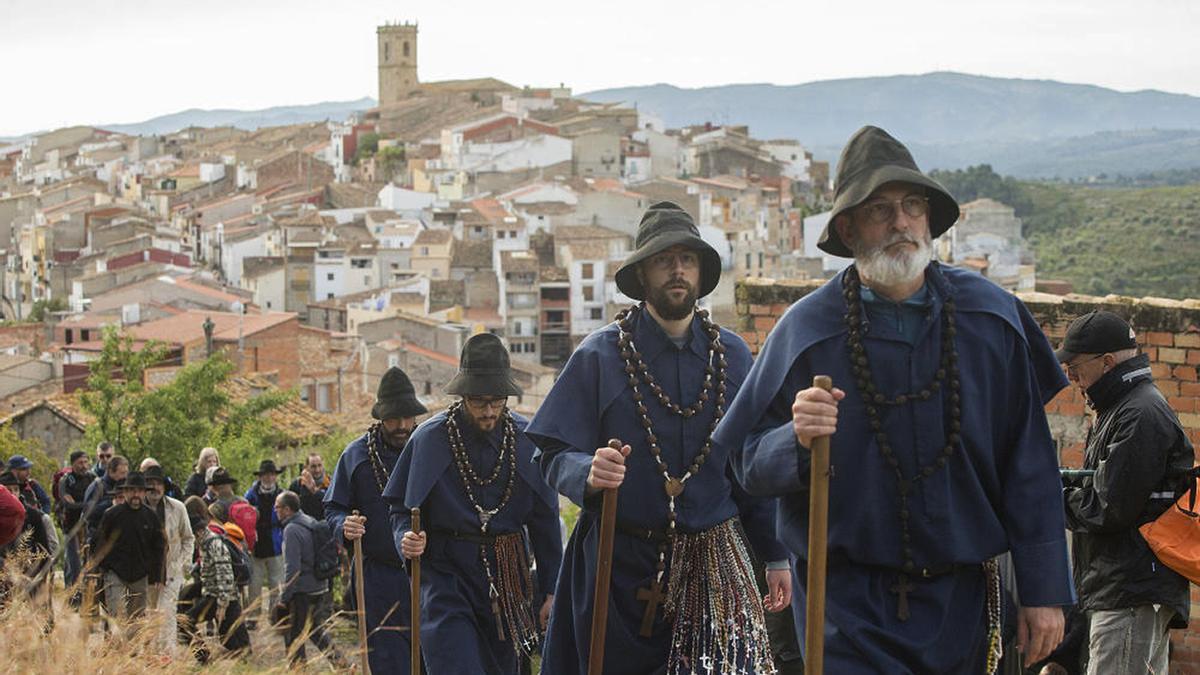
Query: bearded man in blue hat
357, 485
942, 457
484, 508
683, 592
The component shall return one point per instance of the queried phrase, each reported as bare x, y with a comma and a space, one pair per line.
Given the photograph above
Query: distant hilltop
1030, 128
244, 119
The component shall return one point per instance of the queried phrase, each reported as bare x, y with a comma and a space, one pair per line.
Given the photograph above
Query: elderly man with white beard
942, 456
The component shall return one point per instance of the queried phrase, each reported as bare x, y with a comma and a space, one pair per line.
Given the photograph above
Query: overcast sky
102, 61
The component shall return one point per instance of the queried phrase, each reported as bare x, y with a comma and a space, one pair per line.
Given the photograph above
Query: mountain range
1024, 128
1027, 128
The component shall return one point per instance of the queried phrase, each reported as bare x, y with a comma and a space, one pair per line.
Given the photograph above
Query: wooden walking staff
414, 599
818, 524
359, 607
608, 526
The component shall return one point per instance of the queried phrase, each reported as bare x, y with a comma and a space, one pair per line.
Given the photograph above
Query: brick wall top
761, 300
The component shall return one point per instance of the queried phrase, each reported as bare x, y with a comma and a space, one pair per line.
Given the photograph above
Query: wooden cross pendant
654, 597
902, 588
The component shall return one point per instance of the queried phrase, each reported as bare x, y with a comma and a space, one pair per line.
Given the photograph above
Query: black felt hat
666, 224
1097, 332
396, 397
133, 481
871, 159
483, 369
266, 466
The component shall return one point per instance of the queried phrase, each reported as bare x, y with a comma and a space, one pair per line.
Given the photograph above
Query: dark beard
667, 308
395, 439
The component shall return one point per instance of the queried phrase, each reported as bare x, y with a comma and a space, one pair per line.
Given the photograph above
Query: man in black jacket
73, 490
1139, 452
132, 542
311, 486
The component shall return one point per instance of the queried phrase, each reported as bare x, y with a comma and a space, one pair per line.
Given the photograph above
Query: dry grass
73, 643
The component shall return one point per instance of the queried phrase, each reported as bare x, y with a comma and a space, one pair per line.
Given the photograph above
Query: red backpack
245, 516
54, 488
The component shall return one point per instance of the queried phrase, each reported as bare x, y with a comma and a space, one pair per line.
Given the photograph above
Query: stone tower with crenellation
397, 61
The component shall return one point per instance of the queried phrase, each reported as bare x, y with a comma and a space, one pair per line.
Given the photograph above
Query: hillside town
325, 253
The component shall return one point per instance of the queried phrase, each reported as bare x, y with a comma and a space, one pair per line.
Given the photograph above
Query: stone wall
1167, 330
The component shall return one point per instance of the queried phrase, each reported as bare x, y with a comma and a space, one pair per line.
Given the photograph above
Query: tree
173, 421
368, 145
40, 307
389, 160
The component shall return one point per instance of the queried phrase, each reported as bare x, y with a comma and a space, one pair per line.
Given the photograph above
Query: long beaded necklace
374, 443
470, 479
714, 381
947, 375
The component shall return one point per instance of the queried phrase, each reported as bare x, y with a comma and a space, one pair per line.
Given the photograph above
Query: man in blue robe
357, 485
470, 470
942, 457
657, 380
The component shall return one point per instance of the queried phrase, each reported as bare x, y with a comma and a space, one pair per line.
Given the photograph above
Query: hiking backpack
239, 560
244, 515
326, 564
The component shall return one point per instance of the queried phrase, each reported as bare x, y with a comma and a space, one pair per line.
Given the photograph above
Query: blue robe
999, 492
590, 403
458, 629
386, 588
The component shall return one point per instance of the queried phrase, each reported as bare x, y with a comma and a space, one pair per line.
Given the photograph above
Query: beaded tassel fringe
718, 616
515, 591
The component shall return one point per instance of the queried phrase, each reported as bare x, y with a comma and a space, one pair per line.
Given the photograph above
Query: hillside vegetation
1104, 239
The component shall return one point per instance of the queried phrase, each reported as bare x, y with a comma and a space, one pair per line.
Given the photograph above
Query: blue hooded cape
590, 403
999, 492
458, 631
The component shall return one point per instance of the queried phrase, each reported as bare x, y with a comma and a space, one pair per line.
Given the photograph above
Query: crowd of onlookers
135, 546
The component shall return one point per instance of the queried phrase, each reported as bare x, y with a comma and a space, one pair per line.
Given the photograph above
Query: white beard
878, 266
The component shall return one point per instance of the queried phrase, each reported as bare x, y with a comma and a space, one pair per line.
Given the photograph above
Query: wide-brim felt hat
133, 481
396, 397
221, 477
19, 462
872, 158
483, 369
266, 466
666, 224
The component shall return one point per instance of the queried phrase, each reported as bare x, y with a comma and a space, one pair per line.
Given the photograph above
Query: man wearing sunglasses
1139, 450
942, 457
484, 508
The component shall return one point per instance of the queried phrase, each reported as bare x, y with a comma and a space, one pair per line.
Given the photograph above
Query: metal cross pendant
654, 597
902, 588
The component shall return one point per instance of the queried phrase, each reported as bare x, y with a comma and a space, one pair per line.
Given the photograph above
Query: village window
478, 229
85, 335
329, 296
268, 304
70, 336
747, 261
597, 313
588, 271
406, 49
387, 51
329, 277
499, 234
589, 293
424, 250
760, 260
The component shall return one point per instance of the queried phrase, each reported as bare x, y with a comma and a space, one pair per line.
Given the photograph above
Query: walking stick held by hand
359, 608
415, 600
608, 526
818, 525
